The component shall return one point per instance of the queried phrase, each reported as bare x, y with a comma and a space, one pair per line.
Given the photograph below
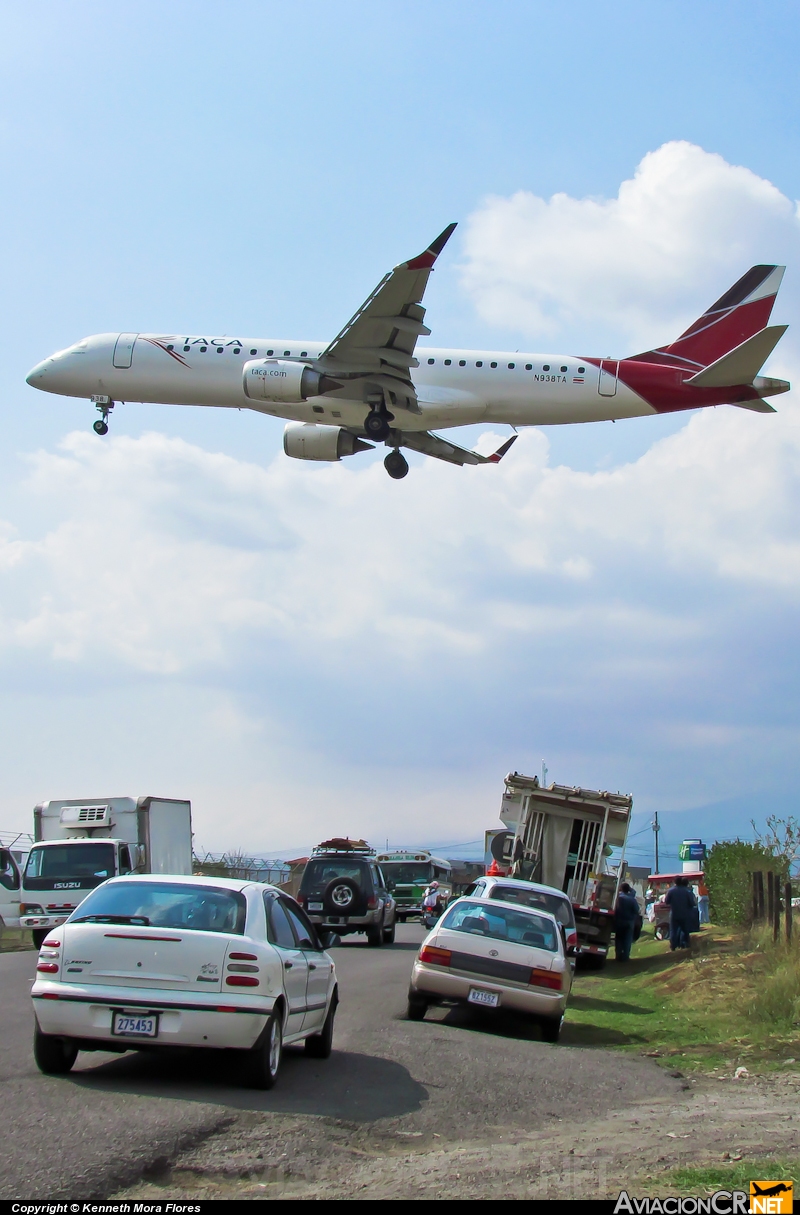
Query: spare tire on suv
344, 896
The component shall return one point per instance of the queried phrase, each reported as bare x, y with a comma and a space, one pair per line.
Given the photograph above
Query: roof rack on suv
338, 844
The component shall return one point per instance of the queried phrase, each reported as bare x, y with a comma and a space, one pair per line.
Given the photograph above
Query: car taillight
434, 956
48, 968
244, 957
240, 981
545, 978
300, 898
372, 902
572, 938
52, 944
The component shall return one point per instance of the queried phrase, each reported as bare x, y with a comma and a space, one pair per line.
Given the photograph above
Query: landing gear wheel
396, 465
551, 1028
319, 1046
100, 427
377, 426
265, 1057
54, 1056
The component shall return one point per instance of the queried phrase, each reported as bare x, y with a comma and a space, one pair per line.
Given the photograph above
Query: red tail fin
741, 312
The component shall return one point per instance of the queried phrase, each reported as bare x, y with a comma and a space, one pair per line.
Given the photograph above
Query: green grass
734, 1176
732, 1002
12, 940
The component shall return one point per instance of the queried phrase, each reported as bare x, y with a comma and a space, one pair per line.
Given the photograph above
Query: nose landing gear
104, 405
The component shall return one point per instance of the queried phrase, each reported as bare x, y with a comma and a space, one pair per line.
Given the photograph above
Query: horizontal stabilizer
742, 364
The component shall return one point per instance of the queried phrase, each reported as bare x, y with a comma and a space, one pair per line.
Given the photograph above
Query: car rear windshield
560, 908
319, 872
164, 905
502, 924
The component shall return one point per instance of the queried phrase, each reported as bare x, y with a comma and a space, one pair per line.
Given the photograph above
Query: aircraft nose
37, 374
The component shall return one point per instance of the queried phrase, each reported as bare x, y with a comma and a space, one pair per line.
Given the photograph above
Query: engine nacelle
308, 441
284, 382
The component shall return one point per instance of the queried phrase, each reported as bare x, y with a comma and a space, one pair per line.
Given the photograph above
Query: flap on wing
441, 449
381, 337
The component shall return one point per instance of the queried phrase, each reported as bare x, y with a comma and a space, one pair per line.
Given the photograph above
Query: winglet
501, 451
425, 260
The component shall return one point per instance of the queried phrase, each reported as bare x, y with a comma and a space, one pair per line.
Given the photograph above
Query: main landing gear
377, 423
104, 405
396, 465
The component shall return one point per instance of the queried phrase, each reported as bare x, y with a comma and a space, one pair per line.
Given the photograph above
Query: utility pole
545, 770
656, 829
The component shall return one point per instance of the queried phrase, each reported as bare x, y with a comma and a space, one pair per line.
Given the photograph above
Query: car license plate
489, 998
315, 906
126, 1025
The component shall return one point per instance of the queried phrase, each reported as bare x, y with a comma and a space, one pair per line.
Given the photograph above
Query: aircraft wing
374, 353
443, 449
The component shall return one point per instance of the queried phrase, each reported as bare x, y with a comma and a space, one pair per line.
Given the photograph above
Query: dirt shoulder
275, 1156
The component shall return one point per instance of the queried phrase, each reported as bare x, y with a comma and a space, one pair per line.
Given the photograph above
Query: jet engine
285, 382
308, 441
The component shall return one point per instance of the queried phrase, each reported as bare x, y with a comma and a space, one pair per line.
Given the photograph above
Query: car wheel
551, 1028
375, 936
319, 1046
417, 1007
40, 935
265, 1057
54, 1056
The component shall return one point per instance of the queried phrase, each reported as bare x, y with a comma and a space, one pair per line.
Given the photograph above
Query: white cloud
635, 268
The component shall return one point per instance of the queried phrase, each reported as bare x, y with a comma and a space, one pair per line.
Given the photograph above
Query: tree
782, 840
727, 870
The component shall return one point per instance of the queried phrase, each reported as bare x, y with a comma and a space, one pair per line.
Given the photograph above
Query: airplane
769, 1191
372, 384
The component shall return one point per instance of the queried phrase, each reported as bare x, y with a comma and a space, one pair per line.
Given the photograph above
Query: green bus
408, 873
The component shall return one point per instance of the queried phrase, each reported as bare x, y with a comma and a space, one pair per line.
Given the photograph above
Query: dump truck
80, 843
562, 836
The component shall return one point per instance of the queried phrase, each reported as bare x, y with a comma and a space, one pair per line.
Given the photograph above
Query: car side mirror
5, 858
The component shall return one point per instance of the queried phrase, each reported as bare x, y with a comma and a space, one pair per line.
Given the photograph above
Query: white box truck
79, 844
562, 835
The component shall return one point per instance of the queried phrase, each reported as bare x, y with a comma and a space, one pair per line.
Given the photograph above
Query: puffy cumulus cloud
633, 270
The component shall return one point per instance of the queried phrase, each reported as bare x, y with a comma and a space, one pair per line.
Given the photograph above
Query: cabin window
186, 349
430, 361
318, 409
479, 363
462, 362
546, 367
170, 347
203, 349
254, 351
219, 350
303, 354
563, 369
447, 362
493, 364
286, 353
581, 370
237, 350
269, 353
529, 366
511, 366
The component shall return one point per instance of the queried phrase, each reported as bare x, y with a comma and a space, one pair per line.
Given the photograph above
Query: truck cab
9, 889
60, 873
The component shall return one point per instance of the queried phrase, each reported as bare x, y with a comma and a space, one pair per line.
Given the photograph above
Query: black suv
343, 891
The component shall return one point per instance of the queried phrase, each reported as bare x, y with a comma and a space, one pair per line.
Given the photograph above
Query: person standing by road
626, 913
682, 905
430, 904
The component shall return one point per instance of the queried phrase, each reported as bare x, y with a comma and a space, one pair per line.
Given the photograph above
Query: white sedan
149, 961
494, 955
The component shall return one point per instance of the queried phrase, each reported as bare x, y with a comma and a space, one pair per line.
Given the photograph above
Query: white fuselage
454, 387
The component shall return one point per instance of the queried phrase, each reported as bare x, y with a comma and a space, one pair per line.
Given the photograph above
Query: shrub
727, 868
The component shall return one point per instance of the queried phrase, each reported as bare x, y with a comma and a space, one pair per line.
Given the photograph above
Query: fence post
760, 883
776, 922
770, 897
787, 894
754, 894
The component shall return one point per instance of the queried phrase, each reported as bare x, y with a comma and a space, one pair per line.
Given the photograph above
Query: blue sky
301, 650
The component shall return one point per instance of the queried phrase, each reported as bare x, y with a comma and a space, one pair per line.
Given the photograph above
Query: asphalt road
115, 1119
